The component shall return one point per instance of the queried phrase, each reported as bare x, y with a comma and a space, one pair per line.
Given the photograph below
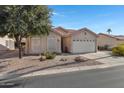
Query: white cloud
58, 14
54, 13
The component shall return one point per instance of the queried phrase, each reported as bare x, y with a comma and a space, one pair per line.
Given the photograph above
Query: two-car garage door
83, 46
40, 45
52, 45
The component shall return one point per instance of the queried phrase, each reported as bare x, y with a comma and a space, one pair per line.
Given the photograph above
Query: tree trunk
20, 50
18, 41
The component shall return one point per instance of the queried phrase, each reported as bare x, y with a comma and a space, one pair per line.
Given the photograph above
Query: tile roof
118, 37
61, 31
68, 32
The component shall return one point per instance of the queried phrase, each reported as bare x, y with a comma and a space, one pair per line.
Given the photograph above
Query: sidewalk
65, 70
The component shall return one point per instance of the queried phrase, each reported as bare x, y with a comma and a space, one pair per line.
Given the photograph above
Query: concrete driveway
105, 57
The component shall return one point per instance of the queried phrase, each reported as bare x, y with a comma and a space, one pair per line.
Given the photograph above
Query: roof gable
68, 32
88, 30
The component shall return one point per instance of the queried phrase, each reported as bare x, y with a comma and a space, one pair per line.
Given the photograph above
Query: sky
98, 18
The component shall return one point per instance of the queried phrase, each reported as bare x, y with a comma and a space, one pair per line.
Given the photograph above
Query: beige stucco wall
82, 36
120, 42
6, 43
67, 42
27, 45
105, 40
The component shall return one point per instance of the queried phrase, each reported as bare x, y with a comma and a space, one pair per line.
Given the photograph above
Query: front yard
31, 64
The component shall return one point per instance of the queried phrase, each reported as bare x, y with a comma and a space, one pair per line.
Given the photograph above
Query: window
73, 40
85, 33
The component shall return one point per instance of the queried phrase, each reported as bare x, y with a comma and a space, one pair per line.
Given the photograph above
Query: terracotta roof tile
63, 32
118, 37
67, 32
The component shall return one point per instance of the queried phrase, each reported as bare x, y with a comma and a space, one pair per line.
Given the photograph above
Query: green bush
119, 50
105, 47
49, 55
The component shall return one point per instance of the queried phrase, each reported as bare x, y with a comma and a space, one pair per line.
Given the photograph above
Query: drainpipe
96, 45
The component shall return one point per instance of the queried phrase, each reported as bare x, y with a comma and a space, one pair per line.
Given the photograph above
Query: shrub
119, 50
49, 55
57, 53
105, 47
115, 51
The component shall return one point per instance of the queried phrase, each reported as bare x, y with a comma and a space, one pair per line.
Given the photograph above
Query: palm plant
109, 31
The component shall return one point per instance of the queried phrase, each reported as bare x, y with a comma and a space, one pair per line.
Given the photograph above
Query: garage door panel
38, 45
83, 46
52, 44
35, 43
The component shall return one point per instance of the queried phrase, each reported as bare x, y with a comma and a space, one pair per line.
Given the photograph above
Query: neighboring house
6, 43
109, 40
63, 40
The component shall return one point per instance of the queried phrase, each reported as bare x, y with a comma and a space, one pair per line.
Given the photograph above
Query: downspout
96, 44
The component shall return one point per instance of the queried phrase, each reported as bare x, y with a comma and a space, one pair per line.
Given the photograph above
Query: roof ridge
73, 31
62, 29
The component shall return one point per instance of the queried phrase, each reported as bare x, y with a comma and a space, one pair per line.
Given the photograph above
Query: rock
63, 59
80, 59
42, 58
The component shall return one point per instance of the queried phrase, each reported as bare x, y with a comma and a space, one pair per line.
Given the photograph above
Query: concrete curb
65, 70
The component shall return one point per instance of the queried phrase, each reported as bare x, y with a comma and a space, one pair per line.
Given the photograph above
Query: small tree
109, 31
23, 21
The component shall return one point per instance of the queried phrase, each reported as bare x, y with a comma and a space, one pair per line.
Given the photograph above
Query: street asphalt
98, 78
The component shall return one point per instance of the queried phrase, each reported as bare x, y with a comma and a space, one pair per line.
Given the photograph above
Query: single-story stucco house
6, 43
63, 40
110, 40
